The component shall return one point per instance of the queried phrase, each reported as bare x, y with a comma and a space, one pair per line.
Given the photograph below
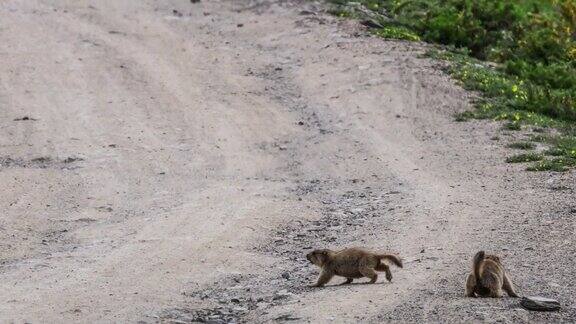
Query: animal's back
491, 276
346, 262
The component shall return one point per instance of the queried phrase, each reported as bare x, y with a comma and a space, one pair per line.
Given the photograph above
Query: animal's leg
324, 278
470, 286
384, 267
370, 273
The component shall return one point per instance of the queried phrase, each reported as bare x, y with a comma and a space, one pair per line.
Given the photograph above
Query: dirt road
174, 161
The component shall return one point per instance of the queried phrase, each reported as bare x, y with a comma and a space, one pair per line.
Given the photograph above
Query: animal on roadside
351, 264
488, 278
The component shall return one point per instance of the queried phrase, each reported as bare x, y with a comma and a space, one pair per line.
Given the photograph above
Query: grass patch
522, 145
397, 32
557, 165
554, 152
524, 157
519, 54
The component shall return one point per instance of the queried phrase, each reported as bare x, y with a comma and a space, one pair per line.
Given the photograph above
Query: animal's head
318, 257
493, 258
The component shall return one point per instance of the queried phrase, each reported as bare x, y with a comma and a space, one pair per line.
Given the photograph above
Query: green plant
522, 145
524, 157
531, 45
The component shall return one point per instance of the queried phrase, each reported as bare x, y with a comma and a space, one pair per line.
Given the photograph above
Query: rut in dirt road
180, 159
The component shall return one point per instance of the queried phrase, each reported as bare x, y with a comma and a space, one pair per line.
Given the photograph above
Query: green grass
557, 165
397, 32
524, 157
522, 145
520, 55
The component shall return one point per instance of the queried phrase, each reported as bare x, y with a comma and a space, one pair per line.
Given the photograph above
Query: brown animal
488, 278
351, 263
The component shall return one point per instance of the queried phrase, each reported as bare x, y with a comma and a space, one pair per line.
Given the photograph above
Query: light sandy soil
179, 159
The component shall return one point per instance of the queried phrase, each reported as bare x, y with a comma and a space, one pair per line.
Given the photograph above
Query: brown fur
351, 263
488, 278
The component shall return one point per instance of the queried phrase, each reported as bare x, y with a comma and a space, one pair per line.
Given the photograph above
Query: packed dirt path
173, 161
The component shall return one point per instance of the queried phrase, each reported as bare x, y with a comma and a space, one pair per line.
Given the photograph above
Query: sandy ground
169, 161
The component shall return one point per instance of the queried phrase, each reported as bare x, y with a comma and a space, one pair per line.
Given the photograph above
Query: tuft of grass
341, 13
556, 165
554, 152
539, 138
465, 116
522, 145
513, 126
397, 32
524, 157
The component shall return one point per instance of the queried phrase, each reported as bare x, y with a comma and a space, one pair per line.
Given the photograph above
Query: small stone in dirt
282, 294
240, 25
371, 23
194, 1
240, 309
41, 160
235, 300
541, 304
307, 12
286, 275
72, 159
300, 123
287, 317
177, 13
25, 118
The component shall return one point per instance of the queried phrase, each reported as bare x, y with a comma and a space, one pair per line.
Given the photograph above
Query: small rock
541, 304
240, 309
371, 23
287, 317
307, 12
282, 294
240, 25
286, 275
25, 118
72, 159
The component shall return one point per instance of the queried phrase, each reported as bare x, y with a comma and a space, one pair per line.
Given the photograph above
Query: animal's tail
476, 265
393, 258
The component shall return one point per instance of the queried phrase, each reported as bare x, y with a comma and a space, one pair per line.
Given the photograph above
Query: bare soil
173, 161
